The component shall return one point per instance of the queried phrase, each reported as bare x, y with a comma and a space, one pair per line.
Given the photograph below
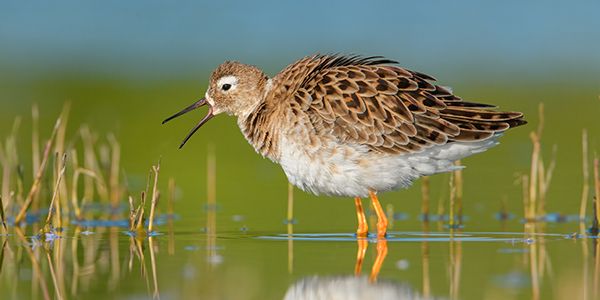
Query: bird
351, 125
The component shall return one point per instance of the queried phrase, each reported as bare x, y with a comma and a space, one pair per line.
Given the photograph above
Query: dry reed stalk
115, 188
138, 247
58, 175
596, 277
544, 179
533, 176
586, 175
20, 186
290, 227
458, 185
594, 228
155, 293
585, 256
425, 198
451, 221
139, 223
59, 147
597, 185
455, 268
5, 192
545, 262
541, 173
535, 278
536, 161
540, 127
6, 171
34, 263
115, 264
88, 183
131, 254
9, 160
75, 184
91, 163
35, 138
525, 191
132, 216
75, 261
290, 203
38, 177
92, 248
54, 277
389, 213
54, 204
155, 196
425, 264
441, 204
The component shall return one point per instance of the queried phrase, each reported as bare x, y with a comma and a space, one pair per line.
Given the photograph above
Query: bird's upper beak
195, 105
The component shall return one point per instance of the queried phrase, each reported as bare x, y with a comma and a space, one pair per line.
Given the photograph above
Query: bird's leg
363, 228
381, 254
382, 221
360, 255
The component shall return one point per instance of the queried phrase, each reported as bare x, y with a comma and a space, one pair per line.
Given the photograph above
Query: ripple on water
511, 237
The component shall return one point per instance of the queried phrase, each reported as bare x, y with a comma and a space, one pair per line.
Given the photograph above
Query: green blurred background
125, 66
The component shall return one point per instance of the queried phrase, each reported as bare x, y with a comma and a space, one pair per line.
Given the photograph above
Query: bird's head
234, 88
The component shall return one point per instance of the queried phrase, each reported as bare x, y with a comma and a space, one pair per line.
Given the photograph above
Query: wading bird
352, 126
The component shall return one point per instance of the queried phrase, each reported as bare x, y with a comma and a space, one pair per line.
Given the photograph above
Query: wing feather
371, 101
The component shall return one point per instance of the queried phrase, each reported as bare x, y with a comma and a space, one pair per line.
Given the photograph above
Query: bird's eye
226, 86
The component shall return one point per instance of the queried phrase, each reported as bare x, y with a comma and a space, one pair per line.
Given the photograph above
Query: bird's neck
259, 126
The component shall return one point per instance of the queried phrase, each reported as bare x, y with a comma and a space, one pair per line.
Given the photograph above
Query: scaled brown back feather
371, 101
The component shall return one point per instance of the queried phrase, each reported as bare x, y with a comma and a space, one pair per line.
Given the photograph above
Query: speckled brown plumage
372, 102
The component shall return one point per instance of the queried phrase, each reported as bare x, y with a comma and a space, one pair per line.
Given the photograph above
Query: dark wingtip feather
517, 122
340, 60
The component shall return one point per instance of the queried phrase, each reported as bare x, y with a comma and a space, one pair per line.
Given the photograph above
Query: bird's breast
321, 165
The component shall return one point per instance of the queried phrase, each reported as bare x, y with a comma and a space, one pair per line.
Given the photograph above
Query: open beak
196, 104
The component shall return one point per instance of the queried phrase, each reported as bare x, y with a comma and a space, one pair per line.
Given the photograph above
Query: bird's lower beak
195, 105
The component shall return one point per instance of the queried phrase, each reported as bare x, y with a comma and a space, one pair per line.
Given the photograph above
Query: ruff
352, 126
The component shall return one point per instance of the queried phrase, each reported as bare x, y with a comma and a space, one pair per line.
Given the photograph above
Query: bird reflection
349, 288
353, 287
381, 254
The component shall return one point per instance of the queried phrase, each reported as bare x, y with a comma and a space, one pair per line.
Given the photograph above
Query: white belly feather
351, 170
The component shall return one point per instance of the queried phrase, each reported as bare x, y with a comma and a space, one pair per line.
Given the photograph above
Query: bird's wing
372, 102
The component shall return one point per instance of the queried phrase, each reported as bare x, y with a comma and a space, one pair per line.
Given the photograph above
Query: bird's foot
362, 232
382, 229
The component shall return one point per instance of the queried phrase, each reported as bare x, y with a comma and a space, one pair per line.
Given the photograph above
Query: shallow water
242, 248
206, 263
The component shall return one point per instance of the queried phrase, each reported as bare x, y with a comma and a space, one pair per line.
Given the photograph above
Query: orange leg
382, 221
360, 255
381, 254
363, 228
